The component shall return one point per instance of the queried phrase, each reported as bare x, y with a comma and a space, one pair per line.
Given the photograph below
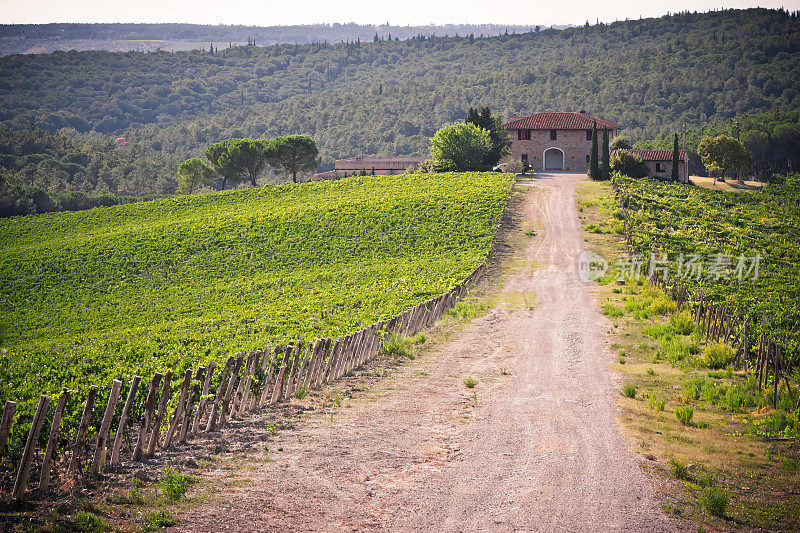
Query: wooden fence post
105, 426
238, 397
52, 441
81, 435
147, 416
187, 414
268, 366
226, 402
123, 420
162, 406
176, 415
5, 423
218, 398
201, 406
290, 382
337, 346
278, 389
21, 481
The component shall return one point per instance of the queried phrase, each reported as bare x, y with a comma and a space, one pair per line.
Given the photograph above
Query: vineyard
110, 293
742, 250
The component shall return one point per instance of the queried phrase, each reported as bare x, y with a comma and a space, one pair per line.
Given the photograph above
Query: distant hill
45, 38
383, 98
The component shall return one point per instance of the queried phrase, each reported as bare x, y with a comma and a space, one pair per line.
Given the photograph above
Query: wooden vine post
21, 481
5, 423
77, 450
102, 435
52, 441
201, 406
162, 406
147, 416
123, 420
176, 416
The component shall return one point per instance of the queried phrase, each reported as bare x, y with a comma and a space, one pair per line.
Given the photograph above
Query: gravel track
536, 448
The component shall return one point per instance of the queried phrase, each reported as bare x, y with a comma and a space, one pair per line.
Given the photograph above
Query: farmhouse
383, 166
555, 141
659, 163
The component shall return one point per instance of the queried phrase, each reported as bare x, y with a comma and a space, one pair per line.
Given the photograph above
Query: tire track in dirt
534, 450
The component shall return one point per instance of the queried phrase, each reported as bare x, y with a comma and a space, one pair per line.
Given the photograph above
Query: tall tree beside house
249, 157
675, 159
460, 147
498, 135
294, 153
722, 153
606, 170
594, 168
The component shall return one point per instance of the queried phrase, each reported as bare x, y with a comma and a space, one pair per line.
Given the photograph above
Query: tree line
234, 161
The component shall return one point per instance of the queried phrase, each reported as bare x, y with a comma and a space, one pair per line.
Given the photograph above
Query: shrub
682, 323
301, 393
173, 484
628, 163
693, 387
684, 415
662, 305
136, 492
629, 390
470, 382
155, 520
420, 338
462, 311
657, 404
399, 346
612, 312
87, 522
717, 355
678, 470
715, 501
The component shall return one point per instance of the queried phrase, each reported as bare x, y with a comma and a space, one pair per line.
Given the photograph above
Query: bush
657, 404
678, 470
662, 305
629, 390
628, 163
470, 382
684, 415
156, 520
682, 322
717, 355
715, 501
399, 346
612, 312
173, 484
87, 522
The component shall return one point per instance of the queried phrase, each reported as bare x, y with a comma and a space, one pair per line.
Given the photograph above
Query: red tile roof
658, 155
557, 121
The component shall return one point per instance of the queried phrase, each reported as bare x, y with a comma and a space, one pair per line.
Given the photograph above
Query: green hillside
110, 292
388, 98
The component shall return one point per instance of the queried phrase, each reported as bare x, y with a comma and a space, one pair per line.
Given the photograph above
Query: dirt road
533, 447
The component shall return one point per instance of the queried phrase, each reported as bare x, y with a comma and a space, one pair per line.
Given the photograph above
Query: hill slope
124, 290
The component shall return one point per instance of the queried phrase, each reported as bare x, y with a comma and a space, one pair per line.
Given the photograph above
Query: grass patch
88, 522
715, 501
470, 382
629, 390
174, 485
399, 346
155, 520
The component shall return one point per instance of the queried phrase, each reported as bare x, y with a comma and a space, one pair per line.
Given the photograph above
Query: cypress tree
606, 156
675, 159
594, 170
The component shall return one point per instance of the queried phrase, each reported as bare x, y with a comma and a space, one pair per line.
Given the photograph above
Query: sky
413, 12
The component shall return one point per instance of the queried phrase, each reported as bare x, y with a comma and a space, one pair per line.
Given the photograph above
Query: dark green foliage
498, 135
675, 159
171, 105
594, 169
294, 153
606, 162
628, 164
621, 142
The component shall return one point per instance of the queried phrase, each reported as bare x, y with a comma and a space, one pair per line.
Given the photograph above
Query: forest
381, 97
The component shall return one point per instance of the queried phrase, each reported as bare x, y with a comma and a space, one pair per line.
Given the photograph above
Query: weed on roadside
470, 382
155, 520
173, 484
629, 390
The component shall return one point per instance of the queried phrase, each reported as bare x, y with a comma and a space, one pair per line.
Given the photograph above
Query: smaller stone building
659, 164
555, 141
383, 166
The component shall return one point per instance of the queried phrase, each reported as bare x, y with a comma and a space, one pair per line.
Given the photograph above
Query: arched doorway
553, 159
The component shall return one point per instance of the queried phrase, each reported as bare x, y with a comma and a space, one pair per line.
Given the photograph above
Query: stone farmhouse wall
572, 143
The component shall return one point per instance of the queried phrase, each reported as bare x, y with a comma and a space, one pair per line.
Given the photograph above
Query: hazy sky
270, 13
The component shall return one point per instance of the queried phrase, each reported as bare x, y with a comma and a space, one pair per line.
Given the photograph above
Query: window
659, 168
523, 135
587, 158
588, 135
553, 135
524, 158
